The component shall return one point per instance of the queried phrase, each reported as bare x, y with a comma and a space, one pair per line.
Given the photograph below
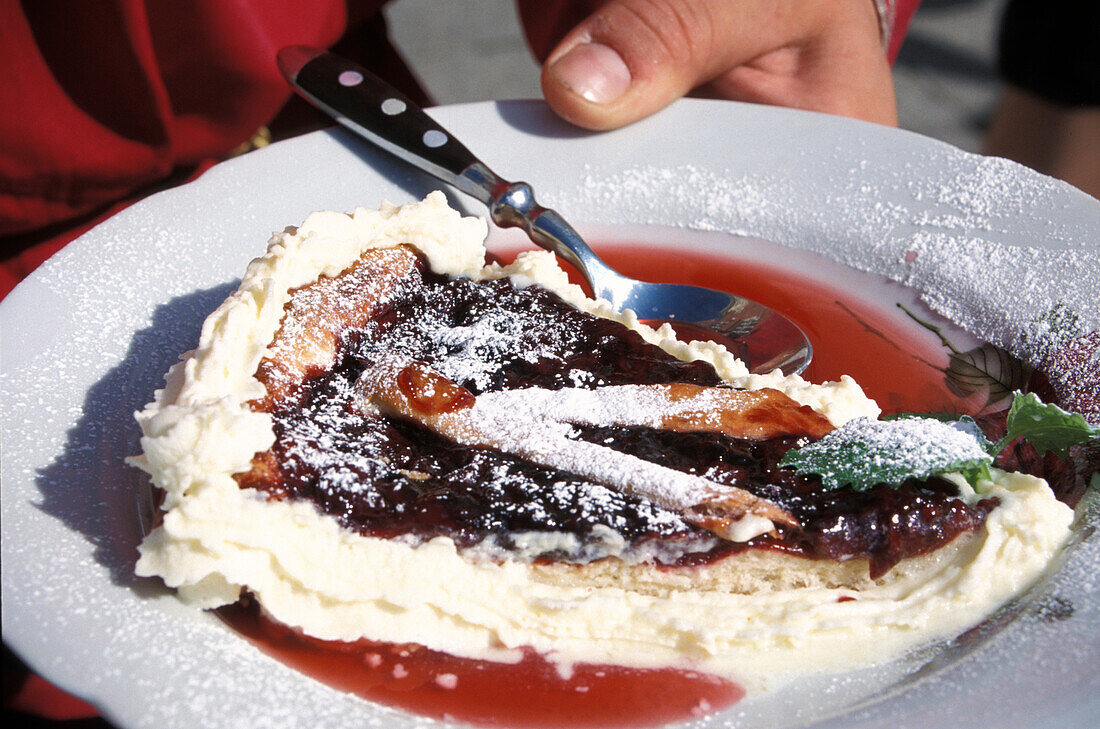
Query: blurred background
946, 73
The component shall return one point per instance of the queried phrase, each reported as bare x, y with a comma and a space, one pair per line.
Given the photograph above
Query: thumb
631, 58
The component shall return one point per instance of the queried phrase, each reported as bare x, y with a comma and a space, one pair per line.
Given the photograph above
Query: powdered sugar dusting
956, 227
548, 442
615, 405
891, 450
473, 350
521, 424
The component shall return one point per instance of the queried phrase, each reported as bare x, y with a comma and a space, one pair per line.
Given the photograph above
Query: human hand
629, 58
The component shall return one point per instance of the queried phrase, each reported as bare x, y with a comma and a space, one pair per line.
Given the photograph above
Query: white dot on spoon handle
350, 78
434, 138
393, 107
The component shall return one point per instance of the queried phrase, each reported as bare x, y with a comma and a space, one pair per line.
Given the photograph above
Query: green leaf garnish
987, 368
965, 423
968, 424
942, 417
1045, 425
865, 452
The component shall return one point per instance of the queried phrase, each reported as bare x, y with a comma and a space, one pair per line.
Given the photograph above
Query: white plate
90, 334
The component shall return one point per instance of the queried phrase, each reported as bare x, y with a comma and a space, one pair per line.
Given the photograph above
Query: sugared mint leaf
963, 423
1046, 426
864, 452
967, 424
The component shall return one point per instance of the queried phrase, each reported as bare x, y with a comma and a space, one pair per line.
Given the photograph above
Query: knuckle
673, 30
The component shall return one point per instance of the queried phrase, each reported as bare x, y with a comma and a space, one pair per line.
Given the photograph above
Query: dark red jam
386, 476
885, 523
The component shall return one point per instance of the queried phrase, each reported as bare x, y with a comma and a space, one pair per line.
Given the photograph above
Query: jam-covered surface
885, 523
387, 477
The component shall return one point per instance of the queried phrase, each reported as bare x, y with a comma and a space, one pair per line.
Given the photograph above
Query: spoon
368, 106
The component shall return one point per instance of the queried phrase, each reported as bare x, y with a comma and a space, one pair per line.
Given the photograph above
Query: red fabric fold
105, 98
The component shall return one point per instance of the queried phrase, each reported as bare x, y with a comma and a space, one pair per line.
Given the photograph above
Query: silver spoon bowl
368, 106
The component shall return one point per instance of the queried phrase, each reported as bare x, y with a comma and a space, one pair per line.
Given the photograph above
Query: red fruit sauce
895, 366
897, 363
531, 693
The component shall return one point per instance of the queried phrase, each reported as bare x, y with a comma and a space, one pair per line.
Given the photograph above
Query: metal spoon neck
513, 205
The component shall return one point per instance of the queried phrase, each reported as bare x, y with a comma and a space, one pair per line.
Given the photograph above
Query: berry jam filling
885, 524
384, 476
489, 336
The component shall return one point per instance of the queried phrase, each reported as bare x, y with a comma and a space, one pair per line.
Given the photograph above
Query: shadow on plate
89, 487
536, 118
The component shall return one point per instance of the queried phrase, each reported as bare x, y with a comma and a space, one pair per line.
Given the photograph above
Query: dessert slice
381, 437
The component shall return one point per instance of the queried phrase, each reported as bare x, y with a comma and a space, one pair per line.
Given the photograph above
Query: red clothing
108, 97
895, 16
102, 103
